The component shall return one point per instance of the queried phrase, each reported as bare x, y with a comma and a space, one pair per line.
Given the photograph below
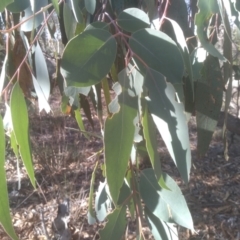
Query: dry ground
64, 160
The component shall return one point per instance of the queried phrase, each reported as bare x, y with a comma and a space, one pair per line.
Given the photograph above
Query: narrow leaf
5, 218
20, 127
82, 63
114, 229
78, 117
209, 93
170, 119
55, 5
91, 215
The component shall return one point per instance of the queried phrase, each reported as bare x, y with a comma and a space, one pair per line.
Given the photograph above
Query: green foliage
157, 80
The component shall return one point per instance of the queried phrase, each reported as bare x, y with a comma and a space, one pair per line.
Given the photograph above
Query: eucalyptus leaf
5, 218
36, 21
114, 228
88, 58
133, 19
168, 205
156, 51
18, 6
4, 3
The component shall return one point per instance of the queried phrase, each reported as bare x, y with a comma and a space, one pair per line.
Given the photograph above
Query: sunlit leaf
156, 50
36, 21
42, 78
101, 202
170, 119
82, 62
114, 228
77, 11
5, 218
168, 205
133, 19
206, 9
161, 230
20, 127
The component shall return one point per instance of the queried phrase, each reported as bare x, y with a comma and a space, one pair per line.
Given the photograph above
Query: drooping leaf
149, 131
156, 50
20, 127
161, 230
82, 62
170, 119
206, 9
42, 78
91, 214
118, 148
3, 73
77, 11
4, 3
101, 202
133, 19
184, 51
114, 228
18, 6
209, 92
36, 21
5, 218
168, 205
78, 117
125, 193
55, 5
69, 21
90, 5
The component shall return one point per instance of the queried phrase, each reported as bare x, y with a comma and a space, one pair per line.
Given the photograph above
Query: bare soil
64, 160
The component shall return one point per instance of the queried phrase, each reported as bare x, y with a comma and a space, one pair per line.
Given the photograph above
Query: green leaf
36, 21
101, 199
167, 205
4, 3
69, 21
77, 11
55, 5
209, 94
156, 50
160, 229
149, 131
118, 147
133, 19
3, 72
151, 9
91, 214
115, 227
125, 193
82, 62
20, 127
90, 5
101, 25
43, 80
170, 119
5, 218
206, 9
184, 51
18, 6
78, 117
